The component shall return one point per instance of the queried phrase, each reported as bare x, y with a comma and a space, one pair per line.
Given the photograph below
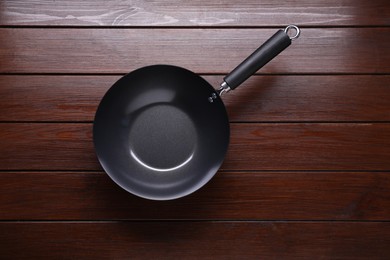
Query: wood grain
182, 240
332, 50
194, 13
261, 98
279, 146
307, 174
229, 196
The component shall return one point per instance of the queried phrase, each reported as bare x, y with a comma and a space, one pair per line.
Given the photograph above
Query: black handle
266, 52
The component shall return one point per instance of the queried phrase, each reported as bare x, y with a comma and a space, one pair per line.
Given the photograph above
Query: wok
161, 132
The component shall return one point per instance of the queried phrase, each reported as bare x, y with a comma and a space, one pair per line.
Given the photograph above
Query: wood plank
196, 240
328, 146
47, 146
261, 98
331, 50
194, 13
229, 196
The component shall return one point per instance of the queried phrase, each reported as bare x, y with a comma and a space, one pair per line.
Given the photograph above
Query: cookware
161, 132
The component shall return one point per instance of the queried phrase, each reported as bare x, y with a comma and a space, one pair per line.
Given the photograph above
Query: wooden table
307, 173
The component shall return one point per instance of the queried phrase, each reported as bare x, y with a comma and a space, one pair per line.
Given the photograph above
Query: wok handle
266, 52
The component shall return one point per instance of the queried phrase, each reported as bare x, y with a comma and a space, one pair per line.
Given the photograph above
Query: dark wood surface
195, 13
307, 174
244, 196
321, 51
192, 240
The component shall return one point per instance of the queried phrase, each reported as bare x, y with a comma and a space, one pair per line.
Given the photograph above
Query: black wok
161, 132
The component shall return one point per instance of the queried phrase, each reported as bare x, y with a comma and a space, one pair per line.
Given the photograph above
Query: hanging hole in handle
295, 28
